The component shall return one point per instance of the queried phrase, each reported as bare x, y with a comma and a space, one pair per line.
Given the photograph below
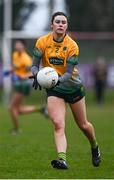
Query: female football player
21, 62
59, 51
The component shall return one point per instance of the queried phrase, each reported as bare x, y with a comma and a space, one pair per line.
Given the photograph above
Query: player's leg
79, 112
26, 109
57, 109
14, 109
25, 89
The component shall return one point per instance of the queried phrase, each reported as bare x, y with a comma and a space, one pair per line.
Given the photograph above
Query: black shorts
68, 98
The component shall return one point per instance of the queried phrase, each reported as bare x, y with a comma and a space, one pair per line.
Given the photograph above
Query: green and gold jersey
58, 55
21, 63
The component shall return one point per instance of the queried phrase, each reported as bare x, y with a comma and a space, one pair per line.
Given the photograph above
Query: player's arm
71, 62
37, 55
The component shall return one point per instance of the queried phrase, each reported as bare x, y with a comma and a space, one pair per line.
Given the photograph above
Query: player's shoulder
43, 41
45, 37
14, 55
70, 40
71, 43
26, 54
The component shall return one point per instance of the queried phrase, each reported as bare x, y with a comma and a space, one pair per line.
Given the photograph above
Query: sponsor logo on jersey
56, 61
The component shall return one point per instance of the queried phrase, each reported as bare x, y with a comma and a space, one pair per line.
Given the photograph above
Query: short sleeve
40, 44
73, 49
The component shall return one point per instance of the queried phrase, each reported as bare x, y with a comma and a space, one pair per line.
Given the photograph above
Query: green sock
94, 144
62, 155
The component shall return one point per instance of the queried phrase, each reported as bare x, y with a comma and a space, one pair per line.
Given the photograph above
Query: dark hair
58, 14
22, 41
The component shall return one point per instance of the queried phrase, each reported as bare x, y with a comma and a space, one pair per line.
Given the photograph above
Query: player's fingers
31, 77
40, 88
36, 86
33, 85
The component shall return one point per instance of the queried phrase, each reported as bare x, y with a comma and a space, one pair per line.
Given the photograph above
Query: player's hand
58, 82
35, 83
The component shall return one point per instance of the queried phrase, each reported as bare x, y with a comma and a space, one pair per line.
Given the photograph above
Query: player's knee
84, 127
19, 110
59, 124
13, 109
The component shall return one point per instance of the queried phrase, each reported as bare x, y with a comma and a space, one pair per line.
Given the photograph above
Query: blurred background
91, 25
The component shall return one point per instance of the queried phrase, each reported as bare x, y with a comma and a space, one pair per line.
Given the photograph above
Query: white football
47, 77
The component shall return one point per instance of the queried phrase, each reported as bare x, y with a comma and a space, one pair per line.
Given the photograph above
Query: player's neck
58, 37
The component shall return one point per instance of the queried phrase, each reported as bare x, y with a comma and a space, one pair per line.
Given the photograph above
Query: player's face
59, 25
19, 46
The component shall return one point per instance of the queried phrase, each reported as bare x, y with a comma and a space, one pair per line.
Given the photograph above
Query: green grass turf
28, 155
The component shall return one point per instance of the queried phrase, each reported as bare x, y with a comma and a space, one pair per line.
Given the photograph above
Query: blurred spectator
100, 77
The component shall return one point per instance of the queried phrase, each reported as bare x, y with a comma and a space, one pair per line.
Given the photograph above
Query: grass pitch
28, 155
